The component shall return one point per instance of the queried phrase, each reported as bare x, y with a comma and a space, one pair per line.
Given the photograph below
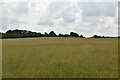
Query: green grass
60, 58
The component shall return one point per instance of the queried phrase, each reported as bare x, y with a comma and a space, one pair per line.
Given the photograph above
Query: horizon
61, 33
88, 18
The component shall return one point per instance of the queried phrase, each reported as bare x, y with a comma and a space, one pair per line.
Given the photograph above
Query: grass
0, 58
60, 58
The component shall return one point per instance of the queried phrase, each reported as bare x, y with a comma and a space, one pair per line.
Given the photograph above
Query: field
60, 58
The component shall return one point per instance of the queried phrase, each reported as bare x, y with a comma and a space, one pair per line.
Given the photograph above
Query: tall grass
60, 58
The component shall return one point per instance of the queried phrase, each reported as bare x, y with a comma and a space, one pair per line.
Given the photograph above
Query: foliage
52, 34
63, 35
26, 33
73, 34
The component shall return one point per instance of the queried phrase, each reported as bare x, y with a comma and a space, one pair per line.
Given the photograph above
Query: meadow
52, 57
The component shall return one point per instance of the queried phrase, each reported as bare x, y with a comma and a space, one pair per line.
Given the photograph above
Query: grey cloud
93, 20
56, 10
68, 19
45, 22
119, 13
91, 17
22, 8
4, 23
68, 16
61, 16
3, 17
98, 9
63, 10
9, 15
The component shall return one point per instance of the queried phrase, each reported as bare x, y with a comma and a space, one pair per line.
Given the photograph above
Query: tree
103, 36
73, 34
63, 35
21, 34
16, 31
46, 34
99, 37
52, 34
81, 36
95, 36
1, 35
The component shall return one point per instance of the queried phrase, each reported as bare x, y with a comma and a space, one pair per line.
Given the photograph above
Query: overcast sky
86, 18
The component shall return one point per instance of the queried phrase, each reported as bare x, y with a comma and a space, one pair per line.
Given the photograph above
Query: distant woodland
26, 34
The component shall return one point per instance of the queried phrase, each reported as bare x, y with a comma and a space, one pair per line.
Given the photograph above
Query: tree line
26, 33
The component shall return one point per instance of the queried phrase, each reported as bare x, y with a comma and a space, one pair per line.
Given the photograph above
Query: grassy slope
60, 58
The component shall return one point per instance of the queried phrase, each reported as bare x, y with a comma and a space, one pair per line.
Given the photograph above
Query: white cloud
63, 17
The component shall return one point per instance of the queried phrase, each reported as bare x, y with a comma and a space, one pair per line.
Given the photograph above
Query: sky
86, 18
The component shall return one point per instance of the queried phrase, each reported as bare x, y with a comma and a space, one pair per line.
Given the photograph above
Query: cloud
45, 21
11, 14
21, 8
86, 18
98, 8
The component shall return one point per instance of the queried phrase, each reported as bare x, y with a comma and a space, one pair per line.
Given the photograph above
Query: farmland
52, 57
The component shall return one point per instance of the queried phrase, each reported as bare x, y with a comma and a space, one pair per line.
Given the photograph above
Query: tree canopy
52, 34
26, 33
73, 34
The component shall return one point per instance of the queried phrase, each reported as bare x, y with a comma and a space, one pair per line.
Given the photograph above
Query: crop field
53, 57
